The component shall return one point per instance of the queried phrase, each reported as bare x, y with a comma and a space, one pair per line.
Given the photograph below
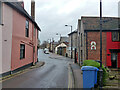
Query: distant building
74, 43
119, 9
19, 37
61, 49
54, 44
64, 39
89, 40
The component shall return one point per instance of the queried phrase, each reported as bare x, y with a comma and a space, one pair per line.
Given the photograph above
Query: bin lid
87, 68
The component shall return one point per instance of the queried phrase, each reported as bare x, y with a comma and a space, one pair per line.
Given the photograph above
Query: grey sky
52, 15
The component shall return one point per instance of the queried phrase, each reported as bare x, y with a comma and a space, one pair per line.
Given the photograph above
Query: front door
114, 60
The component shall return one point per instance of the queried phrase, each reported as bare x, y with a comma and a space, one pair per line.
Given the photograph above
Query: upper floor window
81, 40
115, 36
37, 34
34, 31
27, 29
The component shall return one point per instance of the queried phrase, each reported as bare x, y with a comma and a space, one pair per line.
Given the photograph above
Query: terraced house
89, 40
19, 37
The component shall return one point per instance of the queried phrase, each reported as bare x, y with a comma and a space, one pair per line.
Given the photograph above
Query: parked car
46, 51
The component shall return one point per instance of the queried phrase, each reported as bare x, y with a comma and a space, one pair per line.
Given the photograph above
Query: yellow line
70, 80
17, 74
12, 76
68, 77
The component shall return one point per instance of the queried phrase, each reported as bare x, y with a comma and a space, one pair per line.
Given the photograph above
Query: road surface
54, 74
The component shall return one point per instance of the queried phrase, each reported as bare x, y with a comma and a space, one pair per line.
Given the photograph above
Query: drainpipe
33, 55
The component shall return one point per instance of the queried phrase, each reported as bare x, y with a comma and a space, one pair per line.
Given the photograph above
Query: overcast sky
52, 15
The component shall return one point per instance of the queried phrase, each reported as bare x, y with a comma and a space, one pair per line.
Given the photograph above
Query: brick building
88, 46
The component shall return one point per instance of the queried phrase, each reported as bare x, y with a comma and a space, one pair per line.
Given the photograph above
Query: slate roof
64, 39
93, 23
17, 6
73, 32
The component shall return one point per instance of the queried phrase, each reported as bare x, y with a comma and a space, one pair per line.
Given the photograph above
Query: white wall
0, 53
7, 38
0, 48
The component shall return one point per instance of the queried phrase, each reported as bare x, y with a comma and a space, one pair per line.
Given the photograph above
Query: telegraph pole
71, 44
71, 41
101, 71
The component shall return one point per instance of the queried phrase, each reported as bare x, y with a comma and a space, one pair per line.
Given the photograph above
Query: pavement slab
77, 72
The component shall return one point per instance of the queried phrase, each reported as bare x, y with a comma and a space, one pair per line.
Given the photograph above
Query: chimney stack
33, 9
21, 3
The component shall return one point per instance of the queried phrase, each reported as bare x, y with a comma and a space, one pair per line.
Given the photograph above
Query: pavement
77, 75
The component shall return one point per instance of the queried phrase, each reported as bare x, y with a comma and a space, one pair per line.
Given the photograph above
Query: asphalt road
54, 74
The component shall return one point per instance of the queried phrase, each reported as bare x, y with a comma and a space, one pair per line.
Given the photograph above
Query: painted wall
18, 36
35, 41
0, 49
7, 38
74, 44
112, 45
78, 39
81, 45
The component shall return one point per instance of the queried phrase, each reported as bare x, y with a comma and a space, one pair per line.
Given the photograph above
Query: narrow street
54, 74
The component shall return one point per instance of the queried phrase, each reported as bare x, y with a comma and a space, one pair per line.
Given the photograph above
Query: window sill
115, 41
2, 24
22, 58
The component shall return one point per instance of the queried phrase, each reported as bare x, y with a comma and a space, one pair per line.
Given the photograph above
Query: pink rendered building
19, 37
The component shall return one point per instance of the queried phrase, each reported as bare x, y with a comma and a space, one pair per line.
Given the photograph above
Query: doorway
114, 60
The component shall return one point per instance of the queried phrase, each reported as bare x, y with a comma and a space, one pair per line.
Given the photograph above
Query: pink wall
112, 45
35, 41
18, 38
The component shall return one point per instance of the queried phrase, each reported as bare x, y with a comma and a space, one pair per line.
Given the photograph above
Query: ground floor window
22, 51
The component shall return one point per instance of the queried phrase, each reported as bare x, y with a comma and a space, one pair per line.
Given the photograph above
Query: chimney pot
33, 9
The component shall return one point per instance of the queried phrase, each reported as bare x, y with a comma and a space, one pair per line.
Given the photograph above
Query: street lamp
71, 39
101, 71
58, 34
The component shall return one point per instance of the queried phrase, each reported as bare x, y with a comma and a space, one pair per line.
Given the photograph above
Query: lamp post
101, 71
49, 43
58, 34
71, 39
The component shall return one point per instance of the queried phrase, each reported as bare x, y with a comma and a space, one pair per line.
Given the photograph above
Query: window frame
34, 33
27, 28
22, 51
81, 40
37, 34
117, 38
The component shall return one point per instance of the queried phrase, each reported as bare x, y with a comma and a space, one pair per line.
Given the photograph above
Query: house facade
89, 38
74, 43
19, 37
61, 49
64, 39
